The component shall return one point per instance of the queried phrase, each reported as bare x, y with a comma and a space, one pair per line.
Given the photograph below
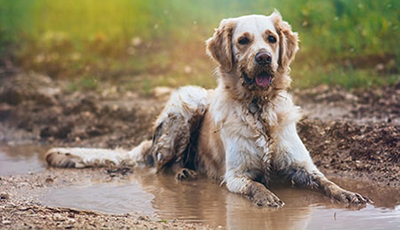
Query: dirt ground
352, 134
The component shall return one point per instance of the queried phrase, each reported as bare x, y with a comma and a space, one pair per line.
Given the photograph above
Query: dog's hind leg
176, 127
173, 132
92, 157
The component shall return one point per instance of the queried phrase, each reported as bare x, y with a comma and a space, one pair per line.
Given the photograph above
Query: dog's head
254, 52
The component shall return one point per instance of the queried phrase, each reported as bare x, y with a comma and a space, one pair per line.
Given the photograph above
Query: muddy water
207, 202
204, 201
22, 159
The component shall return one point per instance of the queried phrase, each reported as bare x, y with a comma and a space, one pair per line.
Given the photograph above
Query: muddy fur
296, 176
243, 133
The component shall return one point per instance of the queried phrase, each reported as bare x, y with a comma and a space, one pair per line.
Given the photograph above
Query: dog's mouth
263, 79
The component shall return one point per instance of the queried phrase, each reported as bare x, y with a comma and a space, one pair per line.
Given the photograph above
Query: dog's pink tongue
263, 80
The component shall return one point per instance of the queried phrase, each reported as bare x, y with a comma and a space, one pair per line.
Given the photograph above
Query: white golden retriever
243, 133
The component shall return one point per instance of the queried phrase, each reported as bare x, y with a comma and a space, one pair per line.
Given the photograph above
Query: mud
353, 135
105, 198
162, 196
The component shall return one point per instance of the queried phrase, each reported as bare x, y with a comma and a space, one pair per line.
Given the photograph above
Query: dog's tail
92, 157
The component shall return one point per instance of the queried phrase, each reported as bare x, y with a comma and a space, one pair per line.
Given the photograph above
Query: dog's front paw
262, 197
185, 174
348, 197
267, 200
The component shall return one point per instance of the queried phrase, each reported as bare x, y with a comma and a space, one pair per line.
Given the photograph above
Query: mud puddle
199, 201
21, 159
208, 203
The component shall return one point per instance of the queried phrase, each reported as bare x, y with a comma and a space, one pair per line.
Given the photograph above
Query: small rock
58, 217
162, 91
23, 208
4, 196
348, 159
359, 165
188, 69
49, 180
136, 41
6, 222
143, 218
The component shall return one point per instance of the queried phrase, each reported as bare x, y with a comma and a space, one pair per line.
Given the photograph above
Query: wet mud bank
351, 135
354, 133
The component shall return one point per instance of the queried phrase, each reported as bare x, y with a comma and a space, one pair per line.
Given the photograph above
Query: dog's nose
263, 58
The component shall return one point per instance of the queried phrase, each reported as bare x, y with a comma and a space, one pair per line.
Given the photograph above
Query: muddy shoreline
350, 134
21, 206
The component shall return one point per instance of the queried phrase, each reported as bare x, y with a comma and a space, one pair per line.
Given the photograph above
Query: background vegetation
141, 44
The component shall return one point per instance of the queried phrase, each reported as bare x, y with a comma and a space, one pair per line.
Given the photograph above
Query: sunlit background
144, 44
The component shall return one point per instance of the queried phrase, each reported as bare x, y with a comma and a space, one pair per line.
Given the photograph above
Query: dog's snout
263, 58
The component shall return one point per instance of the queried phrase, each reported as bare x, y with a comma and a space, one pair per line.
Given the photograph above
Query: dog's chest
252, 142
260, 137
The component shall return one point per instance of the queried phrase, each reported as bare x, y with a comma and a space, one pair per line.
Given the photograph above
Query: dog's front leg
253, 190
338, 193
293, 162
241, 172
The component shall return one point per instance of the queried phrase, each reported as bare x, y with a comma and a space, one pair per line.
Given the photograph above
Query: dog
243, 133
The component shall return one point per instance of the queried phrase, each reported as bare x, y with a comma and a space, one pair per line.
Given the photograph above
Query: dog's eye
271, 39
244, 41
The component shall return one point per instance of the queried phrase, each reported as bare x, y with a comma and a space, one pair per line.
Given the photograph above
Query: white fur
89, 157
84, 157
185, 101
247, 148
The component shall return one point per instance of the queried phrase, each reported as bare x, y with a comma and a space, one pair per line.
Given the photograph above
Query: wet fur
240, 134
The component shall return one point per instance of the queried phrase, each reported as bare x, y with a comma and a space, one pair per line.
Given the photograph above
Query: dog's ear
288, 44
219, 46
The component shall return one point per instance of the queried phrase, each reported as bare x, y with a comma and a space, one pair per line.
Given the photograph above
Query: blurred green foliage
146, 43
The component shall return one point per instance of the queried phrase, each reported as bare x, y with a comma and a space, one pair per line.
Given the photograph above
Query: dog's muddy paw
267, 199
348, 197
63, 159
185, 174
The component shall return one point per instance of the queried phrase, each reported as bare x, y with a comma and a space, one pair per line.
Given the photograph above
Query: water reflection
204, 201
21, 159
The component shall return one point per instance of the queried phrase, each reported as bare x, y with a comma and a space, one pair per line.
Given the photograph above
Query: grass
83, 83
148, 43
346, 77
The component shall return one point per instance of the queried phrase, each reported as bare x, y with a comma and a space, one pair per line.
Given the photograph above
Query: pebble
4, 196
6, 222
